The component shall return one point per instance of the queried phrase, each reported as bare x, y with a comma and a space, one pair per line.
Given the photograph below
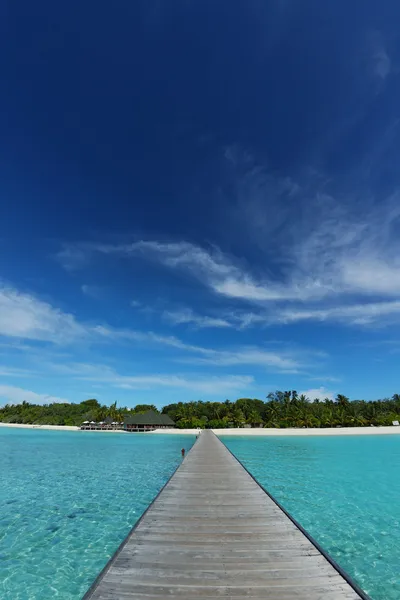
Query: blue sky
199, 199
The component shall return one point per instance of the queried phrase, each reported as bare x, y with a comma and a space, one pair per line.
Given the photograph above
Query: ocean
67, 501
344, 490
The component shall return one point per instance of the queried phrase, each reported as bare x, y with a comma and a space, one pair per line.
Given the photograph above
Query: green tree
342, 400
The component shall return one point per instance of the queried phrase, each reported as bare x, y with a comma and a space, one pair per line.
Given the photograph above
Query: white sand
318, 431
283, 432
177, 431
57, 427
242, 431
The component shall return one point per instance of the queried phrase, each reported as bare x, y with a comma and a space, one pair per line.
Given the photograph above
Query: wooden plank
214, 533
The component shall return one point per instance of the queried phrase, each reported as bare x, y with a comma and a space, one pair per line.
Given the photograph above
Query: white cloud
370, 313
207, 385
356, 314
73, 256
149, 337
27, 317
202, 384
24, 316
14, 372
320, 393
339, 262
248, 319
283, 362
213, 268
92, 291
382, 63
15, 395
333, 252
325, 378
186, 316
380, 60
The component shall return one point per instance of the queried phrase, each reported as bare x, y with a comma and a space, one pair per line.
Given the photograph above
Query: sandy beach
55, 427
287, 432
240, 431
177, 431
58, 428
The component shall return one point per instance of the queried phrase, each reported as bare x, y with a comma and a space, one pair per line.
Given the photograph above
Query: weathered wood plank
214, 533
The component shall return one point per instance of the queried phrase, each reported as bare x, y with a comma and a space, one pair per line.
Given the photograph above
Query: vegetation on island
281, 409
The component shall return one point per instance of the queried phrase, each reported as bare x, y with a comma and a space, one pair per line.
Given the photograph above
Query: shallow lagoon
345, 491
67, 501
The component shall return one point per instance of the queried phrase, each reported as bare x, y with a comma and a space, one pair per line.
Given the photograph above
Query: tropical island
281, 409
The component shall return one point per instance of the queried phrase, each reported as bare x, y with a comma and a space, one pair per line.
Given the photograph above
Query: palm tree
342, 400
253, 418
396, 398
215, 409
238, 417
183, 411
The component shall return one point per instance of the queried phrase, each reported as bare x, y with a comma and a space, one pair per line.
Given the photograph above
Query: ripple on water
344, 491
67, 501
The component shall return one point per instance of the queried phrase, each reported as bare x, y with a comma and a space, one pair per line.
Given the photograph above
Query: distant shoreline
23, 426
262, 432
54, 427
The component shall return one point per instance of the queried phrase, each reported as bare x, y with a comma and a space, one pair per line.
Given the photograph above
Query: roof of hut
148, 418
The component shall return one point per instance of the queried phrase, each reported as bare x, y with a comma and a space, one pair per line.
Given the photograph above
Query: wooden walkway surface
214, 533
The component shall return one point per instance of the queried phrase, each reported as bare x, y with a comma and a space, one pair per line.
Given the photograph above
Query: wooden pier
214, 533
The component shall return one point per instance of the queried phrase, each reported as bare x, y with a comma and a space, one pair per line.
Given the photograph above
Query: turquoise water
68, 499
345, 491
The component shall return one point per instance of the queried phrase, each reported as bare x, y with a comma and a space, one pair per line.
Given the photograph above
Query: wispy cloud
381, 63
325, 378
6, 371
149, 337
339, 262
356, 314
92, 291
186, 316
202, 384
212, 267
337, 252
25, 316
287, 361
282, 362
73, 256
15, 395
321, 393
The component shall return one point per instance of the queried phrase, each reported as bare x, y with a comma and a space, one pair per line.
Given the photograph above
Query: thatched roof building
147, 421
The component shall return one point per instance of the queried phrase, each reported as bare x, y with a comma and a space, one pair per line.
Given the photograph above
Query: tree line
281, 409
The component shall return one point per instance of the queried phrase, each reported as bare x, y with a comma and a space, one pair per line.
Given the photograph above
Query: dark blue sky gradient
224, 125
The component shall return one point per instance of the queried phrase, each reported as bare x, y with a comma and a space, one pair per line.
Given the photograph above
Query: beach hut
148, 421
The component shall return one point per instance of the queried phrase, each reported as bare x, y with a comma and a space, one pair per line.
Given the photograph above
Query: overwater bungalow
90, 425
108, 424
148, 421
